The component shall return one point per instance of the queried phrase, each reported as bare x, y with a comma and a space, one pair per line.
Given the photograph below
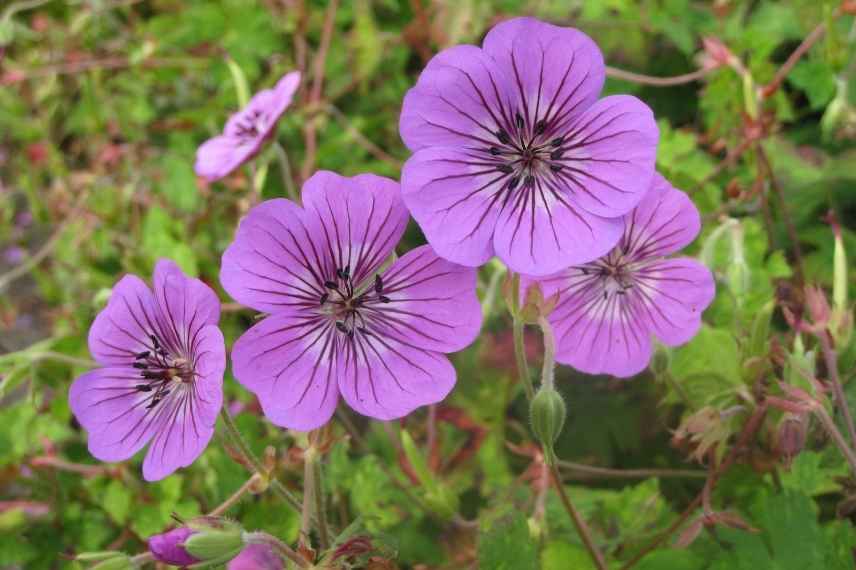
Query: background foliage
102, 105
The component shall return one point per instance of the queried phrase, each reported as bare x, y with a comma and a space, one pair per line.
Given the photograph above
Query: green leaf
815, 77
117, 501
506, 545
708, 367
558, 555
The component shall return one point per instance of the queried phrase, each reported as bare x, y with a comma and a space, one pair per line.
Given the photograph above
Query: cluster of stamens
527, 153
343, 301
250, 125
613, 272
159, 370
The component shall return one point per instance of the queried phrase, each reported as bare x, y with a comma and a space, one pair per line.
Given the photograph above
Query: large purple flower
246, 130
516, 156
609, 308
162, 360
341, 321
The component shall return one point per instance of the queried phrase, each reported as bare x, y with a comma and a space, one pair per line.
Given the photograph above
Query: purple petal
186, 418
675, 292
462, 99
384, 378
274, 264
219, 156
557, 72
122, 329
361, 219
664, 222
186, 305
107, 404
541, 232
433, 303
288, 361
609, 155
456, 201
256, 557
267, 103
169, 547
598, 334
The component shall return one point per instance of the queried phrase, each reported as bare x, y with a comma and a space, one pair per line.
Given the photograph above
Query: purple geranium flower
341, 322
609, 308
162, 360
246, 130
516, 156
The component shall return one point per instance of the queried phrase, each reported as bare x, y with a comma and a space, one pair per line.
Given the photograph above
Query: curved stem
285, 170
520, 358
657, 81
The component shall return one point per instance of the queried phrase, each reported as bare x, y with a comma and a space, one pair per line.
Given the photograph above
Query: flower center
251, 125
344, 301
161, 372
527, 152
615, 274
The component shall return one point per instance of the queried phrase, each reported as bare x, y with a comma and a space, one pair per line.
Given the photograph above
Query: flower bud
547, 412
219, 540
169, 547
790, 437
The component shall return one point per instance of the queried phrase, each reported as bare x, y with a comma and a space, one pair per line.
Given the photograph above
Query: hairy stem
579, 523
285, 170
831, 360
320, 506
548, 369
236, 496
841, 443
254, 463
520, 358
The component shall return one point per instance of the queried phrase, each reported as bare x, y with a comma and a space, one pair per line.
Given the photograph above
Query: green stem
320, 507
236, 496
520, 357
253, 461
548, 370
285, 170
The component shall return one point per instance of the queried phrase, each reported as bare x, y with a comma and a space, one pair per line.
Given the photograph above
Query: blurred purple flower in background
516, 156
13, 255
162, 360
608, 309
246, 130
256, 557
339, 323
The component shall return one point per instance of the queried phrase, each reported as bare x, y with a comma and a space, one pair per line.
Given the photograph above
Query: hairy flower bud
547, 412
215, 541
790, 437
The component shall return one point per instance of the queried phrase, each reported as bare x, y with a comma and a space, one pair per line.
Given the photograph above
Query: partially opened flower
162, 360
340, 321
246, 131
609, 309
516, 156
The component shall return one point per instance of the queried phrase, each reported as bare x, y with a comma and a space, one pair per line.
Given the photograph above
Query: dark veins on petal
534, 153
164, 367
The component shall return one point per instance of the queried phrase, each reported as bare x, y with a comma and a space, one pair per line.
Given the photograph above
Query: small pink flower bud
790, 437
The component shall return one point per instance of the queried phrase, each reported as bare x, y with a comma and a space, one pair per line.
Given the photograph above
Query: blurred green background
102, 106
